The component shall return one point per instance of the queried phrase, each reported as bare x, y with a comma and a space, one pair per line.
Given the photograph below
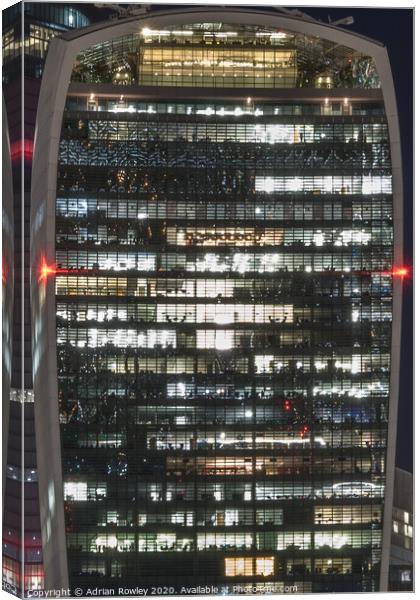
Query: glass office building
28, 27
221, 271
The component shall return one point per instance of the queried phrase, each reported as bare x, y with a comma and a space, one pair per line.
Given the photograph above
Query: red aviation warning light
46, 270
394, 272
399, 272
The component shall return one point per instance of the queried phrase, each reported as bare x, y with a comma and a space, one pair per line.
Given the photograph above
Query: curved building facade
27, 29
7, 280
216, 231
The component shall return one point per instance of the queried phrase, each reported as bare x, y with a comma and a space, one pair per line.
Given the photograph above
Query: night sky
394, 28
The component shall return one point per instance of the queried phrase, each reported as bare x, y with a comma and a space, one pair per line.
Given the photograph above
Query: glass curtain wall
223, 298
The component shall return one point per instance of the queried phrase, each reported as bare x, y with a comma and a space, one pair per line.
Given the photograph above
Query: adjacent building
401, 560
27, 29
216, 242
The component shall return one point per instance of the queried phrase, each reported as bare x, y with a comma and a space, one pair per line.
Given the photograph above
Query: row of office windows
261, 209
200, 313
219, 182
226, 340
211, 313
248, 107
166, 542
331, 420
328, 423
173, 155
262, 566
353, 352
141, 234
333, 184
153, 466
331, 400
234, 517
217, 313
354, 285
260, 491
106, 364
266, 566
222, 262
217, 66
189, 440
268, 466
360, 136
112, 361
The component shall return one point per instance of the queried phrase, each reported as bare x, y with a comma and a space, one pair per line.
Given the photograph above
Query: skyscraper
216, 224
401, 555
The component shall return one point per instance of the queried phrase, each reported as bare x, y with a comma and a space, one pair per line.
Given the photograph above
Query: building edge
7, 286
55, 82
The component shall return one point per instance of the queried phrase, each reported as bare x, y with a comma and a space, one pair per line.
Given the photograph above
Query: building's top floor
233, 47
211, 53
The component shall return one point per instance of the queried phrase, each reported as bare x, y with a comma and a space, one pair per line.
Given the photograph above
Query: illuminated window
34, 577
366, 184
335, 540
105, 541
183, 518
264, 566
333, 566
289, 540
11, 571
329, 515
247, 567
239, 566
405, 575
119, 543
75, 490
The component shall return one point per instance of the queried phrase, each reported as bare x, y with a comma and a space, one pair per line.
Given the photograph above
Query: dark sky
394, 28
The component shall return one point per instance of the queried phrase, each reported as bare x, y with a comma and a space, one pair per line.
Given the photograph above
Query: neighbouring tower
27, 28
